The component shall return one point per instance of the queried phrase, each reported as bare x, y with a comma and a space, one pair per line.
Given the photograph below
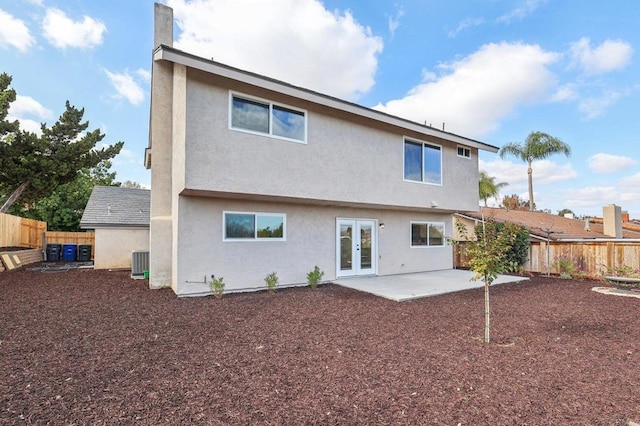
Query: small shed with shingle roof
120, 218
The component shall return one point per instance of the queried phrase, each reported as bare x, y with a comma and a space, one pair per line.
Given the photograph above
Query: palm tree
488, 187
537, 146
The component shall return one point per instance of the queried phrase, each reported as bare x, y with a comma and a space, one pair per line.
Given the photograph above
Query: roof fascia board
179, 57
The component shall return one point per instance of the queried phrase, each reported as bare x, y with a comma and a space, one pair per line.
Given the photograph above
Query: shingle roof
547, 225
111, 206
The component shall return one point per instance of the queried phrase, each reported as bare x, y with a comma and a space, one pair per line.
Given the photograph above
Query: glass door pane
346, 246
366, 239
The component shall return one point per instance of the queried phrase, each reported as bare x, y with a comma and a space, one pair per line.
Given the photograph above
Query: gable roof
548, 226
170, 54
114, 206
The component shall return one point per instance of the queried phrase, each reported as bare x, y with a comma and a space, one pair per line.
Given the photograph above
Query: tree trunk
14, 196
487, 313
530, 173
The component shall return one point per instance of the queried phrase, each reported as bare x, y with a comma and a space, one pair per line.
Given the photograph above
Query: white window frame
418, 141
255, 223
271, 105
466, 153
428, 224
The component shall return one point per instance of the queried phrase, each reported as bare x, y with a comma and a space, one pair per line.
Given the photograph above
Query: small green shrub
565, 267
217, 286
272, 281
314, 277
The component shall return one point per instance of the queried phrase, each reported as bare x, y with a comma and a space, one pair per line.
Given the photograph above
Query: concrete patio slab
421, 284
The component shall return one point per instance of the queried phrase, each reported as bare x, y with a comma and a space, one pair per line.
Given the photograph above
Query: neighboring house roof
171, 54
113, 206
545, 225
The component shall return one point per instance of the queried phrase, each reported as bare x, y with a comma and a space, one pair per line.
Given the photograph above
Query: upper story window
264, 117
422, 162
243, 226
463, 151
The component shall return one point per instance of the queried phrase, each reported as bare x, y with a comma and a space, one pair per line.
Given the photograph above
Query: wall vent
139, 263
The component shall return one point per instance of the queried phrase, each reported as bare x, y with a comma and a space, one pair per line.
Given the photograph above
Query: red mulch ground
95, 347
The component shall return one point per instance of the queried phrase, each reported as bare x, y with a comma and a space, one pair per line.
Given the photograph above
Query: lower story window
427, 234
254, 226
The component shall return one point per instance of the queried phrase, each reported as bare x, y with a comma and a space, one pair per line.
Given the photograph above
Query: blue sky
488, 69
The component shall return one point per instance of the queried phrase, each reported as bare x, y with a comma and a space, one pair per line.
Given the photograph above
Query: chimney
163, 25
625, 217
612, 221
587, 226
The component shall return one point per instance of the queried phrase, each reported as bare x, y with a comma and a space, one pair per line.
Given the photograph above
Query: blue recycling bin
69, 252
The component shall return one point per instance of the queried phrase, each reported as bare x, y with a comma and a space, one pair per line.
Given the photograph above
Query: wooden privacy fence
18, 231
590, 258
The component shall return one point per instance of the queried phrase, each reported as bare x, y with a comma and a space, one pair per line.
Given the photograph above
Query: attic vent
139, 263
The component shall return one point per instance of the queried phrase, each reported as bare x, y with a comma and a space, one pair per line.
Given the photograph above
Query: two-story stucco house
251, 175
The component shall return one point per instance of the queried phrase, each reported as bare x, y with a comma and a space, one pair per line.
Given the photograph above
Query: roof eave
173, 55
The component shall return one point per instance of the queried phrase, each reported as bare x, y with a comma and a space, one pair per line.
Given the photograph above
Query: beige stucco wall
113, 246
310, 240
344, 159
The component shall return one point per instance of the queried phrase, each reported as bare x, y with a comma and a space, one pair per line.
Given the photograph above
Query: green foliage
217, 286
565, 211
488, 253
63, 209
33, 166
623, 271
487, 256
272, 281
537, 146
271, 233
314, 277
488, 188
564, 265
518, 250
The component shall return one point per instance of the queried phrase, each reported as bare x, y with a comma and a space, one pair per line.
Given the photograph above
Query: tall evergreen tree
32, 166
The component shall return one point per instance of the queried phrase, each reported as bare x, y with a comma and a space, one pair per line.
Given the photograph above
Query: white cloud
593, 196
594, 107
144, 75
27, 106
527, 8
478, 91
126, 87
611, 55
30, 113
14, 32
394, 22
316, 49
464, 24
607, 163
632, 181
545, 172
63, 32
565, 92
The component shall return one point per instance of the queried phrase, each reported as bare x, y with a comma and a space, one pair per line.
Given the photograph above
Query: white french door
356, 247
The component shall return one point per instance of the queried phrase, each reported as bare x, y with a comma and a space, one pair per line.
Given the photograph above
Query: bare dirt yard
95, 347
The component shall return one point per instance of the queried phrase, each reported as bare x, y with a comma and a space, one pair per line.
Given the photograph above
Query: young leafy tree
32, 166
487, 256
537, 146
488, 188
